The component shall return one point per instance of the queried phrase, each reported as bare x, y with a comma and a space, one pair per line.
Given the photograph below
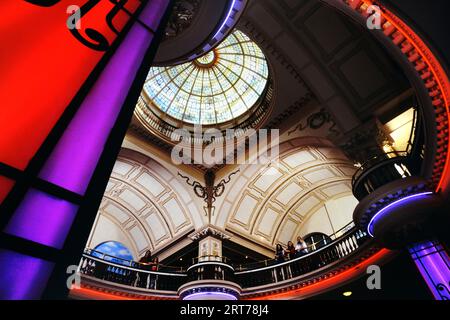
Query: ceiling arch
281, 198
147, 203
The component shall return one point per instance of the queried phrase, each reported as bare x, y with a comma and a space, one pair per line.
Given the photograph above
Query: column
69, 95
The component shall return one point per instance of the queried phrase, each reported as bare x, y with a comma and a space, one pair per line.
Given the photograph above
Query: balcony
219, 277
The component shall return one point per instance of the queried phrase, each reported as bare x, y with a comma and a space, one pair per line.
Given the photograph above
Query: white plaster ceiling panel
181, 190
114, 210
157, 227
156, 167
287, 231
318, 222
299, 158
245, 209
267, 179
110, 230
195, 214
336, 189
150, 183
175, 213
289, 193
111, 184
307, 204
139, 238
237, 187
148, 200
249, 170
317, 175
132, 199
306, 179
122, 168
267, 224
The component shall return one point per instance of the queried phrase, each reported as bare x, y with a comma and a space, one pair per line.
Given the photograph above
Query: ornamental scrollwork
183, 13
91, 37
317, 121
210, 192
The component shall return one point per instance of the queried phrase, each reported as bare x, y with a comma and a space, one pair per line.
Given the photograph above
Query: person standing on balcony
279, 253
147, 258
290, 250
301, 248
144, 263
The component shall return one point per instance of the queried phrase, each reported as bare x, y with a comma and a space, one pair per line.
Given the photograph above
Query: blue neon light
383, 211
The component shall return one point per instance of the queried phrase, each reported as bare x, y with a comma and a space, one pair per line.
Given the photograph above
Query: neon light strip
210, 263
205, 294
385, 209
226, 19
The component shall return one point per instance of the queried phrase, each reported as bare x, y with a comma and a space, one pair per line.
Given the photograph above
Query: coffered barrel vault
145, 206
308, 189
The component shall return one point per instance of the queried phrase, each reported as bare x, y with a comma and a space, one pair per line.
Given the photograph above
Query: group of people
292, 251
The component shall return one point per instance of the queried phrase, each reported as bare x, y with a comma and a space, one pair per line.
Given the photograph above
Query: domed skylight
215, 88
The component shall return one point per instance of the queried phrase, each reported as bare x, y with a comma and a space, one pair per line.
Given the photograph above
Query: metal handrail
312, 247
130, 263
369, 164
341, 247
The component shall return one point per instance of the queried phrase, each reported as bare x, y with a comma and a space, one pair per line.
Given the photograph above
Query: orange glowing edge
332, 282
312, 289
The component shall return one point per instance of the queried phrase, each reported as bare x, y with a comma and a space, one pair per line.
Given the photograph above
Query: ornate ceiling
275, 203
316, 64
145, 206
320, 95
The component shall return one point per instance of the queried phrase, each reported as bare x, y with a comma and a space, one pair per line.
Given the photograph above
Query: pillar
68, 96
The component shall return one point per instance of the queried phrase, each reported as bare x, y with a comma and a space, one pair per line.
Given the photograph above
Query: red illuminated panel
43, 65
5, 187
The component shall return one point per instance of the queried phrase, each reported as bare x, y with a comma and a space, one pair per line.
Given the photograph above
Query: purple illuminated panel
434, 264
43, 218
210, 296
74, 159
22, 277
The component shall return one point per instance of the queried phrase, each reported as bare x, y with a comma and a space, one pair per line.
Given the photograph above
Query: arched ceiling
316, 71
147, 204
274, 203
317, 64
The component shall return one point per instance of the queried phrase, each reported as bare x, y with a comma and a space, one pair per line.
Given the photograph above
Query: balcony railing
303, 265
388, 167
131, 273
154, 119
134, 275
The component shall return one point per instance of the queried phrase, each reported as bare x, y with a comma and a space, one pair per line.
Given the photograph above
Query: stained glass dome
217, 87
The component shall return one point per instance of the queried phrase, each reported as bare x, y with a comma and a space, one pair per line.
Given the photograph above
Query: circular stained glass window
218, 87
